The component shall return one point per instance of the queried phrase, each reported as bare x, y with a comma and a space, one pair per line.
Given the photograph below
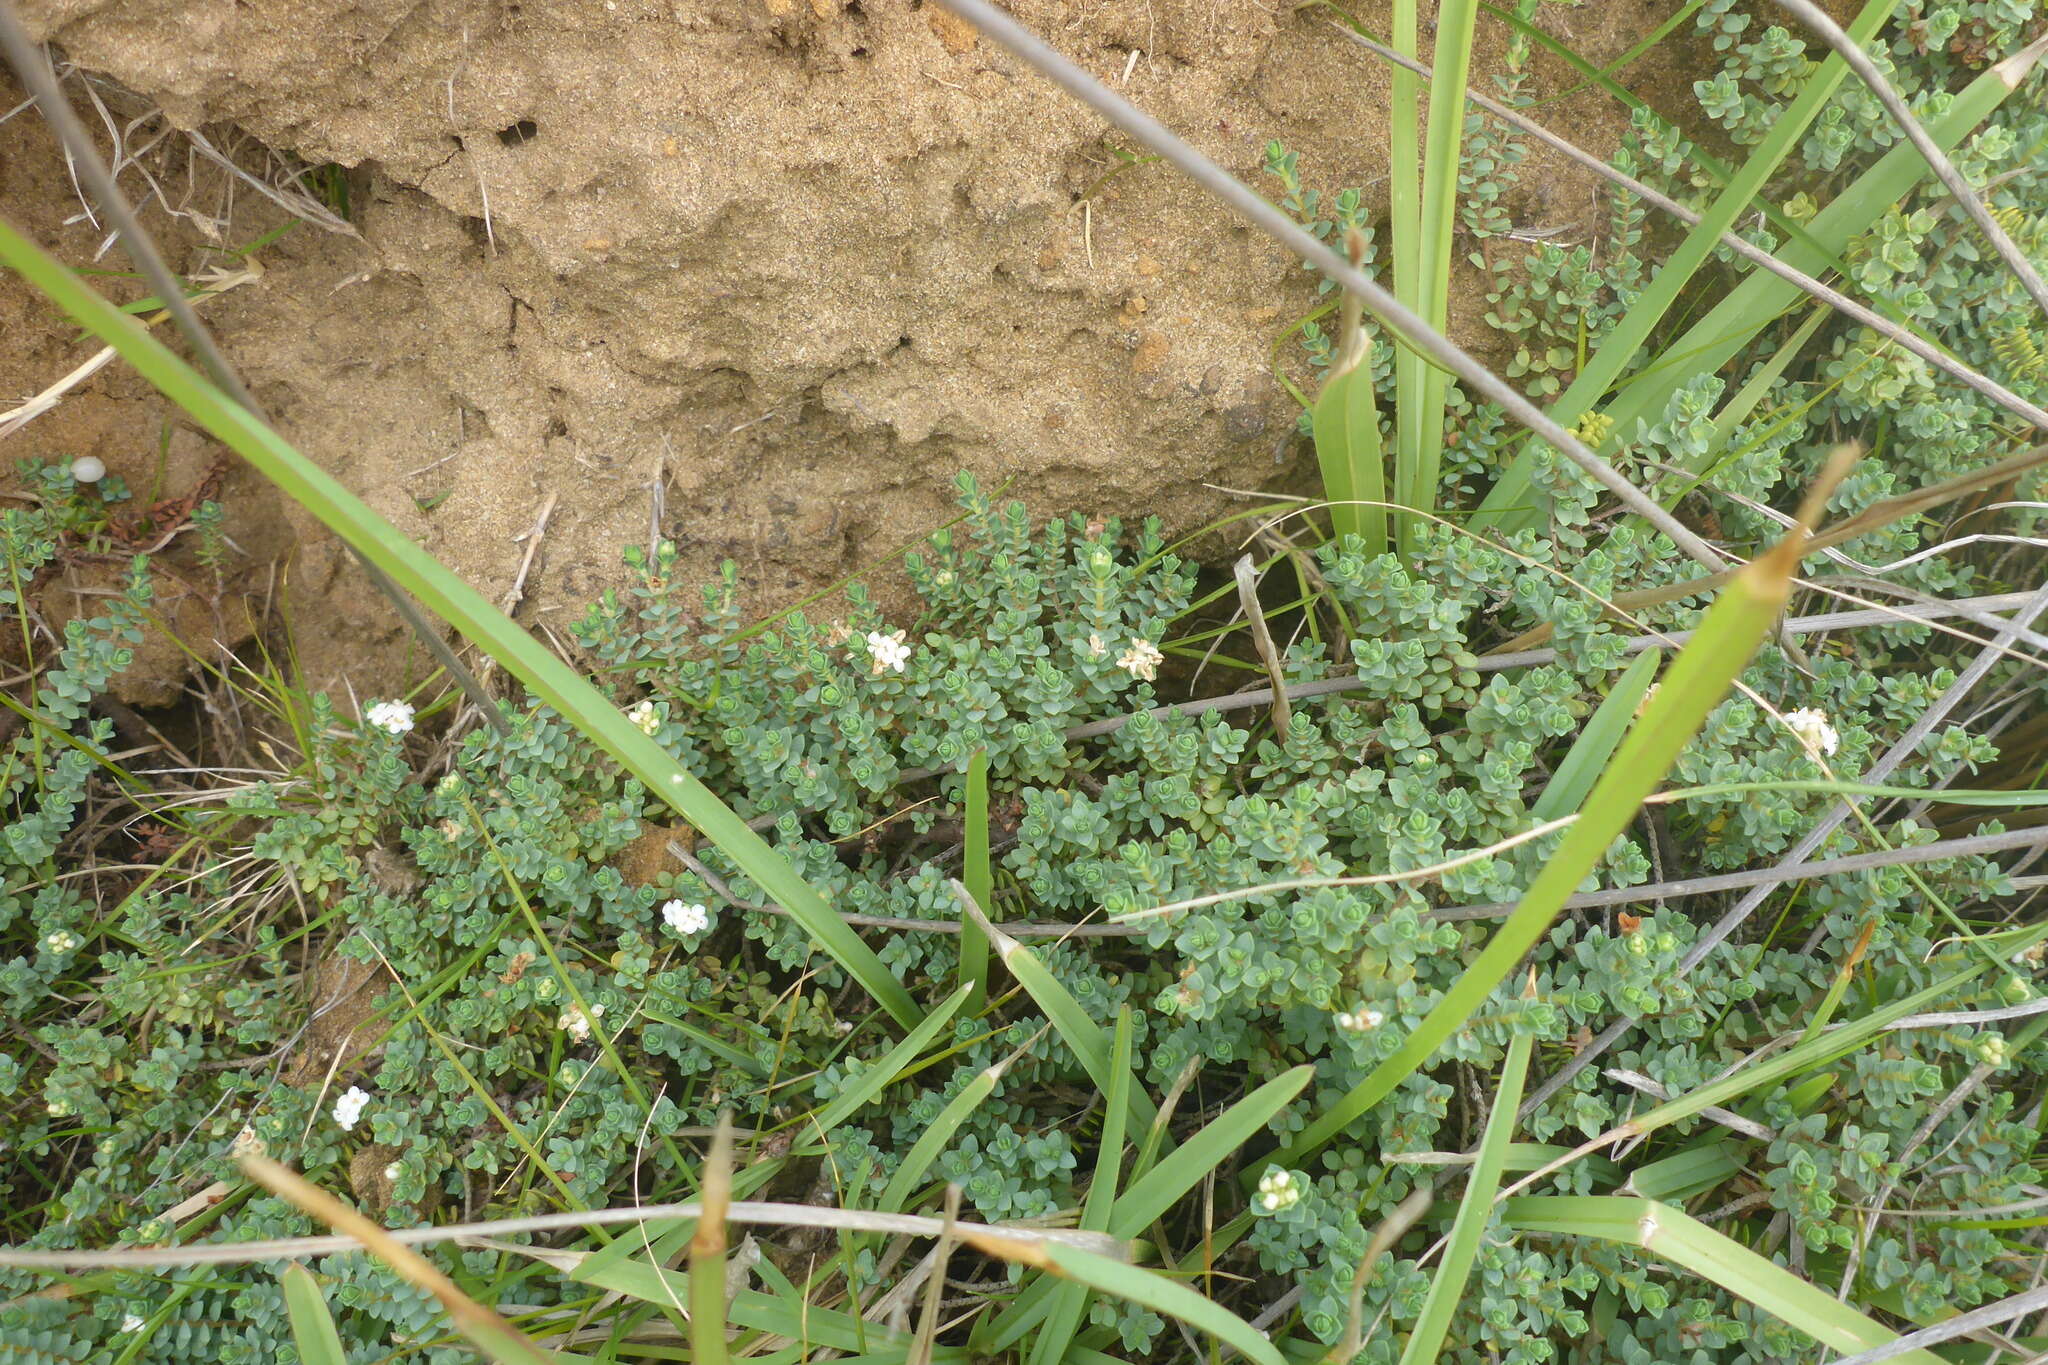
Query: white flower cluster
1278, 1190
1364, 1021
685, 919
348, 1110
644, 717
1141, 660
1814, 732
392, 717
574, 1022
888, 651
61, 942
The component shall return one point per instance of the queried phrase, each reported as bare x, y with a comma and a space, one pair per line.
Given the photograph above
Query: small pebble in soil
88, 469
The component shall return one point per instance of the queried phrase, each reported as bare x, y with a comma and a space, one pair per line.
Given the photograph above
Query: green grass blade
873, 1080
1474, 1211
641, 1280
1714, 339
1346, 422
1815, 1052
1404, 155
1109, 1157
1670, 1235
1147, 1155
1420, 455
1693, 1171
1079, 1032
1708, 1162
1619, 349
934, 1138
1738, 409
1404, 220
1163, 1186
1574, 778
1161, 1295
977, 872
1695, 683
312, 1325
1156, 1192
1716, 170
710, 1042
1838, 985
1070, 1300
463, 607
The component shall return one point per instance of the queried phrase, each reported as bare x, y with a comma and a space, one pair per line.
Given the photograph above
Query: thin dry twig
1908, 744
1656, 1090
928, 1320
1262, 638
1872, 518
217, 282
1969, 607
1970, 846
1391, 1230
739, 1211
1966, 195
500, 1340
1391, 312
1961, 1325
1949, 1104
533, 536
40, 81
1749, 251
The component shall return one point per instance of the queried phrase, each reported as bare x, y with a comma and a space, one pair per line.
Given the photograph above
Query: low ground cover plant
453, 972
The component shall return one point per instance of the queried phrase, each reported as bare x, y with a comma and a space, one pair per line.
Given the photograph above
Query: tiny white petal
576, 1023
686, 919
1141, 660
1814, 730
888, 651
392, 717
348, 1110
132, 1323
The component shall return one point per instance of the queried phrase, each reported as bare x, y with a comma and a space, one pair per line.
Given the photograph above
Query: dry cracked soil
794, 263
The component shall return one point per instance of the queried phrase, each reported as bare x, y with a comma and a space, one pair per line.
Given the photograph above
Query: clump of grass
1186, 1019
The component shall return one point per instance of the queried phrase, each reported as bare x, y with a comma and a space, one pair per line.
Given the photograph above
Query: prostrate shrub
485, 974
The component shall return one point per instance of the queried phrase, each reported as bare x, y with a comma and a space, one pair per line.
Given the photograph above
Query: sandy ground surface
796, 262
